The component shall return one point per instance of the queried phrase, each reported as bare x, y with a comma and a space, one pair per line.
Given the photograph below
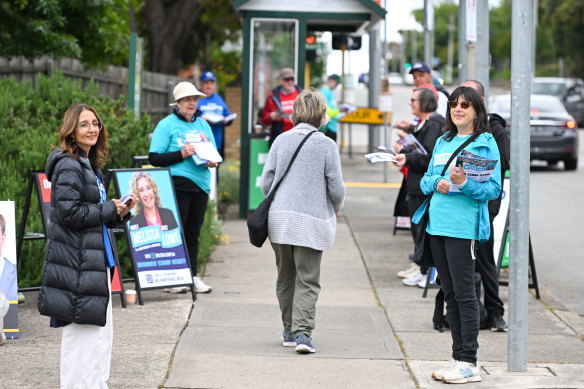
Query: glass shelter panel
275, 46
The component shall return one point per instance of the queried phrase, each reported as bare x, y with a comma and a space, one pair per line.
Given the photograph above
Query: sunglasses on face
463, 104
289, 79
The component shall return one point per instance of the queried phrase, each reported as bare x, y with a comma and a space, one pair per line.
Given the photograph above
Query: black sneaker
498, 324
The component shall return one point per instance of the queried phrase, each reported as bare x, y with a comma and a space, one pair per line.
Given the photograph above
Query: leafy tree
96, 32
182, 32
567, 27
441, 21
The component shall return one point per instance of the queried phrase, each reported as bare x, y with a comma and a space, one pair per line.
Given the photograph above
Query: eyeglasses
188, 99
288, 79
463, 104
85, 125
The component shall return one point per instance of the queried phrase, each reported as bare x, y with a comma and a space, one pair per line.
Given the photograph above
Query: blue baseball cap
208, 76
422, 67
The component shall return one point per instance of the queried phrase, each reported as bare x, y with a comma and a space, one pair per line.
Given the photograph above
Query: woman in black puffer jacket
75, 289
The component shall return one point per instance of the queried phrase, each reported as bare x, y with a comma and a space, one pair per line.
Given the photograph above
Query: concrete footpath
371, 331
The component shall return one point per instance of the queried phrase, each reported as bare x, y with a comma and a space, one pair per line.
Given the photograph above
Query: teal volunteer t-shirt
169, 136
455, 216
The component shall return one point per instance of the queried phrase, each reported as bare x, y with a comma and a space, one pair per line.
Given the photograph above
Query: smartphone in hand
126, 199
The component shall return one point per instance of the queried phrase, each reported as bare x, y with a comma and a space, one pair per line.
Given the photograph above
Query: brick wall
232, 141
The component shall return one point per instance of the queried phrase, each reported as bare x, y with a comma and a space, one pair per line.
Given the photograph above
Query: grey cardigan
303, 210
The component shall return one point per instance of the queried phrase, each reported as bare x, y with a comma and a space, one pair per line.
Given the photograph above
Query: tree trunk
168, 31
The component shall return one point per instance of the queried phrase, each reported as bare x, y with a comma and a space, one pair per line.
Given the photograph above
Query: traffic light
347, 42
311, 47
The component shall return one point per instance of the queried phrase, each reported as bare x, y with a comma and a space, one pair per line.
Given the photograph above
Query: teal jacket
482, 192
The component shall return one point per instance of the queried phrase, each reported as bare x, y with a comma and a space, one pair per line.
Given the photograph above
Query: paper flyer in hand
380, 157
476, 168
205, 151
410, 144
345, 110
214, 118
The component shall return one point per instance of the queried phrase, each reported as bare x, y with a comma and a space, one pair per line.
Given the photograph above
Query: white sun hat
185, 89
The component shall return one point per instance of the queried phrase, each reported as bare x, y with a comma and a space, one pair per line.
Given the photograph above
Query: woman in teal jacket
456, 222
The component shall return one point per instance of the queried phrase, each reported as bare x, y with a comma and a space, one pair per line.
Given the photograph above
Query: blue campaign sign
154, 233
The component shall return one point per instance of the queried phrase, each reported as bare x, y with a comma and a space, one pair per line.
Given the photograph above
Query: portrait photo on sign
154, 232
8, 273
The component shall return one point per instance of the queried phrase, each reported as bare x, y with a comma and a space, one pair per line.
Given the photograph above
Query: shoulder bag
422, 252
257, 223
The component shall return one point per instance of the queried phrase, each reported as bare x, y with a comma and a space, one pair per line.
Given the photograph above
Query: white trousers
86, 352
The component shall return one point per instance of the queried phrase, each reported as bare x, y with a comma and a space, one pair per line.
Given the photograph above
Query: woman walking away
457, 222
76, 288
302, 219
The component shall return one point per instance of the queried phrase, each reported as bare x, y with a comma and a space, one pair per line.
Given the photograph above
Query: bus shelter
274, 36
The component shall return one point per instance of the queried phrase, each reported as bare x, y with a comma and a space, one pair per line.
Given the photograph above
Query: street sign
365, 116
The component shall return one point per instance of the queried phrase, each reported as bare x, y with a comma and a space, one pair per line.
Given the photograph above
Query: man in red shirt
279, 104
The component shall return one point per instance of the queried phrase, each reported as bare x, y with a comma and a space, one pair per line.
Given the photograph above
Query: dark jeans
456, 267
487, 268
192, 207
414, 202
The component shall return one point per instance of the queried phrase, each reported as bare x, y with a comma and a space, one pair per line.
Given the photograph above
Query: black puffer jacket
497, 128
74, 279
417, 164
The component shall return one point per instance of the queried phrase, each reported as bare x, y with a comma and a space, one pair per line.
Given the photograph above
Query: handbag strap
458, 150
273, 191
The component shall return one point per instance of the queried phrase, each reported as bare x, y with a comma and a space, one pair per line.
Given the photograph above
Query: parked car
569, 90
554, 134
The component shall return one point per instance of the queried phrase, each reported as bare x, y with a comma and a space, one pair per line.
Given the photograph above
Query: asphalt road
556, 209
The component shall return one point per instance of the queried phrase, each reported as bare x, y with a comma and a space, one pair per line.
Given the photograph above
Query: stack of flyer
380, 157
410, 144
214, 118
205, 151
475, 167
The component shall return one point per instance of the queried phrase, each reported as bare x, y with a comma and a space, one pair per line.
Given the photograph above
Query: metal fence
156, 87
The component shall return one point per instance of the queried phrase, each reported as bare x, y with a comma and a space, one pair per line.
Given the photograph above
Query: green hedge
30, 118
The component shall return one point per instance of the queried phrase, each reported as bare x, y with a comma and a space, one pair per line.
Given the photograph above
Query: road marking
378, 185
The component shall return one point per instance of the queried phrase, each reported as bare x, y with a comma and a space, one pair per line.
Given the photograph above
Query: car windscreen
548, 88
542, 104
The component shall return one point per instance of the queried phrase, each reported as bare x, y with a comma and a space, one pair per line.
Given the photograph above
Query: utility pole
448, 75
374, 82
462, 65
428, 32
521, 32
414, 47
534, 37
481, 53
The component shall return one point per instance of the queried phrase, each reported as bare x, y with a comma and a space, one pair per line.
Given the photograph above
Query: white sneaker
200, 286
462, 373
409, 272
422, 284
177, 290
413, 281
438, 374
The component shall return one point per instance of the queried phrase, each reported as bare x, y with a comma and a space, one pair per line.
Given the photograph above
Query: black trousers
456, 266
192, 207
486, 267
414, 202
